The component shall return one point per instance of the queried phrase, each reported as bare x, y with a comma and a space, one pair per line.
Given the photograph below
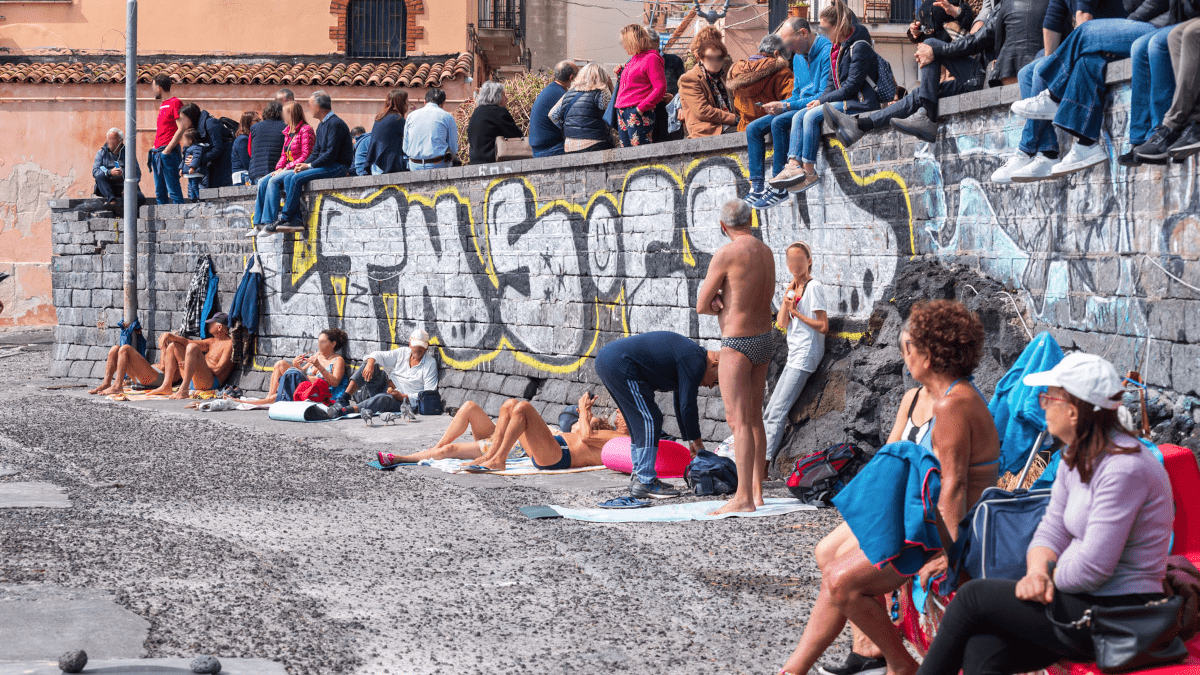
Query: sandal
475, 468
386, 460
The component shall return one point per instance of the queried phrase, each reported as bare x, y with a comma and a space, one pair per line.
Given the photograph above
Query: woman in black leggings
1103, 540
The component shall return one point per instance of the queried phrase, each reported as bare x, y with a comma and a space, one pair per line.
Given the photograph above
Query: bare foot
161, 391
494, 465
758, 501
909, 668
179, 395
100, 389
735, 505
112, 390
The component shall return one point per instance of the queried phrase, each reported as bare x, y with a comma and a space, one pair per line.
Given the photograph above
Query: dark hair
564, 71
436, 96
1093, 429
192, 135
192, 112
247, 122
357, 131
338, 337
273, 111
163, 81
397, 102
286, 92
798, 24
950, 333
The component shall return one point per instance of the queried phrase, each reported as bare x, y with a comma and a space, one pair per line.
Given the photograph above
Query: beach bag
429, 402
317, 392
513, 148
995, 534
819, 476
709, 474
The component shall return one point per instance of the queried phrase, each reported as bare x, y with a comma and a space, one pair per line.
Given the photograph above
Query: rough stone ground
238, 541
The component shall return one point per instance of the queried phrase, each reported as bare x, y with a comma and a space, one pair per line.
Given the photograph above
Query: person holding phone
326, 363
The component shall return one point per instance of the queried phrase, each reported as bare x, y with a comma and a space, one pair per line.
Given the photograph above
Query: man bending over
738, 290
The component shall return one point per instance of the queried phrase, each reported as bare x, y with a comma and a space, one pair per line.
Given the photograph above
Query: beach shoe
856, 664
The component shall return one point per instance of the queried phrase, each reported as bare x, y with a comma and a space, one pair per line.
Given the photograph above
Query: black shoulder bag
1130, 637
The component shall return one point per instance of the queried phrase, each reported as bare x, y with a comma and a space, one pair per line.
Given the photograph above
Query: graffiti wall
522, 271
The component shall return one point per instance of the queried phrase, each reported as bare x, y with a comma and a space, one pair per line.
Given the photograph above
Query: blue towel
1015, 409
890, 506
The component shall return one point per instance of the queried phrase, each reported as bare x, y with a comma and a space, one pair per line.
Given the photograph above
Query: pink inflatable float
672, 459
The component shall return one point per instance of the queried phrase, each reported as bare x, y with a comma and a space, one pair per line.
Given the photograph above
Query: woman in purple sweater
1103, 541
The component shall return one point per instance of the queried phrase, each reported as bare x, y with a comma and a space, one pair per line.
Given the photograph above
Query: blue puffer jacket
856, 63
266, 145
218, 156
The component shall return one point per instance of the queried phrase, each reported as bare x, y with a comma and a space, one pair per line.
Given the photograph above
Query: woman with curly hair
941, 343
706, 103
323, 364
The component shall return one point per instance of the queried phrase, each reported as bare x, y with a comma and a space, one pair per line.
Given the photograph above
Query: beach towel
669, 513
514, 467
1015, 408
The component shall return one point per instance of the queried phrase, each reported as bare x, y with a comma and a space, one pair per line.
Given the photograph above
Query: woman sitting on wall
1103, 540
941, 343
706, 104
386, 152
580, 112
491, 120
298, 140
520, 421
266, 141
325, 364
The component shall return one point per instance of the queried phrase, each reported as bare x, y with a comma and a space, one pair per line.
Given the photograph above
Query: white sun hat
1085, 376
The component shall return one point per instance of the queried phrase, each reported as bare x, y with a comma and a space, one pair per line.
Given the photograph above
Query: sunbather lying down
520, 421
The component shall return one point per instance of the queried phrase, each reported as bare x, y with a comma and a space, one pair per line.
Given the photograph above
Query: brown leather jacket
701, 117
764, 80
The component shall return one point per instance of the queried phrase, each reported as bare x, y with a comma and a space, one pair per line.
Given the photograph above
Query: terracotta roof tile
359, 73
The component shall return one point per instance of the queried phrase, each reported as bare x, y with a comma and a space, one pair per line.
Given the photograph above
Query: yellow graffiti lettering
391, 302
882, 175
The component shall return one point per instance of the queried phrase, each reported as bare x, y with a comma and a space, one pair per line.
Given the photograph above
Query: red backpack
317, 392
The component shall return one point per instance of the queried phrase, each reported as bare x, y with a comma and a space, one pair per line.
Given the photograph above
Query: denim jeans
779, 126
266, 205
1185, 59
968, 76
166, 176
1075, 73
806, 136
193, 188
1152, 86
293, 184
787, 390
417, 166
1038, 135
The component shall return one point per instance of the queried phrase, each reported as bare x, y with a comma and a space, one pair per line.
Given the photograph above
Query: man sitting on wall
545, 137
109, 169
390, 381
430, 134
331, 156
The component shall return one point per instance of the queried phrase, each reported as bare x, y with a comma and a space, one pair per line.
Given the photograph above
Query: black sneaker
918, 125
845, 126
856, 665
1154, 150
1188, 143
1130, 158
655, 490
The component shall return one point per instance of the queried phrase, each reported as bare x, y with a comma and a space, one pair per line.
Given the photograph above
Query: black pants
373, 387
112, 189
987, 631
967, 77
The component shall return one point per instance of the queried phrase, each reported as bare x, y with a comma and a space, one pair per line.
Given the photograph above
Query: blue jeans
1038, 135
1152, 86
806, 137
293, 185
1075, 72
787, 390
417, 166
166, 176
266, 205
193, 188
552, 151
779, 126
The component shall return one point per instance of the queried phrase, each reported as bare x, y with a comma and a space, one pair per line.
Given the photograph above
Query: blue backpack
710, 474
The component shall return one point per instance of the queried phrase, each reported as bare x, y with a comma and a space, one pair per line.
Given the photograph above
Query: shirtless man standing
205, 363
738, 290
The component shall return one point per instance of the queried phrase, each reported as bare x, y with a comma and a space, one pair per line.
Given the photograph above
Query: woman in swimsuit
941, 344
326, 364
520, 425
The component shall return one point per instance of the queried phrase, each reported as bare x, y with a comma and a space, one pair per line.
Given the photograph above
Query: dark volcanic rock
73, 662
206, 664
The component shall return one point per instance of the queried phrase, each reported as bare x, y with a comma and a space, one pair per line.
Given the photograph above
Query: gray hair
798, 24
120, 134
736, 213
490, 94
770, 45
322, 100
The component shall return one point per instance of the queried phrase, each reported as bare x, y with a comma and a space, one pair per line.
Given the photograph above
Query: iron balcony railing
377, 29
508, 14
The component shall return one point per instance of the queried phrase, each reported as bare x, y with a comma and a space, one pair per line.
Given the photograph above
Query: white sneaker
1081, 157
1019, 161
252, 233
1040, 107
1039, 168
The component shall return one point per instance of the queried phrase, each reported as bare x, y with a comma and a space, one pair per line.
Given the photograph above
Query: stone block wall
523, 270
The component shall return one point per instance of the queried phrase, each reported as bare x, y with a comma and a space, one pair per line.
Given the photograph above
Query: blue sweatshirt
811, 71
667, 362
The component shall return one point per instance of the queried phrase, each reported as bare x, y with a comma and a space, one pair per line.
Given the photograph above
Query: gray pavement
234, 535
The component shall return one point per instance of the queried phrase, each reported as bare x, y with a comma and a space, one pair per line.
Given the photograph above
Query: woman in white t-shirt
803, 311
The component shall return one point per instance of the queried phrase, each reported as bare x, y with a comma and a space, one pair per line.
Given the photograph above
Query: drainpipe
129, 222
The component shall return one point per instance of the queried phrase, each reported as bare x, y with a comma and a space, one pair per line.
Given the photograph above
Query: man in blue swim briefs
632, 369
738, 291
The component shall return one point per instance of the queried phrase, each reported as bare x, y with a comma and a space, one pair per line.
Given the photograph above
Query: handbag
513, 148
429, 402
995, 534
1130, 637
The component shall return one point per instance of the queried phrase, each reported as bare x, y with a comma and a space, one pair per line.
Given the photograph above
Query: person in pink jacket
298, 140
642, 86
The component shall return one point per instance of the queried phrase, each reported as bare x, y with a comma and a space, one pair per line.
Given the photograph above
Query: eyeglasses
1044, 400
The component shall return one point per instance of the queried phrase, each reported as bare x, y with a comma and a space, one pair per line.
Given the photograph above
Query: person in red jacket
642, 85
